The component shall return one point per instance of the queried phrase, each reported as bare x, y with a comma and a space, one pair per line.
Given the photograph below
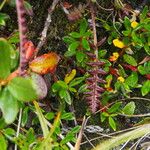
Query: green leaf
22, 89
75, 129
127, 23
3, 18
103, 117
136, 38
75, 34
8, 105
147, 48
114, 108
132, 79
24, 116
3, 142
5, 49
102, 53
69, 53
68, 39
14, 38
50, 116
80, 56
129, 108
129, 59
76, 81
112, 123
64, 94
73, 46
145, 88
28, 8
143, 14
82, 88
62, 84
85, 44
67, 116
145, 69
83, 26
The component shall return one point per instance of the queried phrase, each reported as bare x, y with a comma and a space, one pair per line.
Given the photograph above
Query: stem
18, 127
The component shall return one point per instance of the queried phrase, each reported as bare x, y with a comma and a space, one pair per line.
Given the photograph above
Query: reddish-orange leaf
30, 49
45, 64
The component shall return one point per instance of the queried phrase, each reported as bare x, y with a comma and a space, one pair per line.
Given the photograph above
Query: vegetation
96, 83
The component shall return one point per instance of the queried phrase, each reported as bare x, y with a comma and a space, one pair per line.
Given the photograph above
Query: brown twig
46, 26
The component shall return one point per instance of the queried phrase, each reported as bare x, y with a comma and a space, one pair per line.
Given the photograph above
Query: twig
139, 115
78, 143
105, 9
88, 140
18, 127
46, 26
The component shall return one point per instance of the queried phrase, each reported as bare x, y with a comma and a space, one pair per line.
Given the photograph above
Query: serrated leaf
80, 56
22, 89
5, 61
8, 105
132, 79
85, 44
112, 123
129, 108
82, 88
73, 46
145, 88
130, 60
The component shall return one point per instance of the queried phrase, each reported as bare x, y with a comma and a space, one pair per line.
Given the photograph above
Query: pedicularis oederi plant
103, 71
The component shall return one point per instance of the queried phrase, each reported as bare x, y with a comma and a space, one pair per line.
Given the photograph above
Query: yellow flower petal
121, 79
118, 43
134, 24
114, 57
70, 76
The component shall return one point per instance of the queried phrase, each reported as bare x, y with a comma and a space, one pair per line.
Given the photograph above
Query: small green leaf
22, 89
143, 14
103, 117
112, 123
76, 81
69, 53
82, 88
24, 116
147, 48
114, 108
142, 70
102, 53
127, 23
5, 49
80, 56
68, 39
85, 44
8, 105
75, 34
50, 116
132, 79
64, 94
67, 116
73, 46
145, 88
3, 142
28, 8
62, 84
129, 108
83, 26
129, 59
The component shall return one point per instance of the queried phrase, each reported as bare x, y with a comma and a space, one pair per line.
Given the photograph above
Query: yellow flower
134, 24
114, 57
118, 43
70, 76
121, 79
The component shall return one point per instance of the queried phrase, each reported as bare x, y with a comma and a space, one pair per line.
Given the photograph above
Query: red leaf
113, 71
130, 67
147, 76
